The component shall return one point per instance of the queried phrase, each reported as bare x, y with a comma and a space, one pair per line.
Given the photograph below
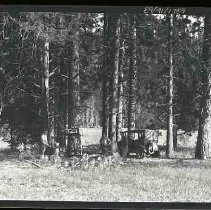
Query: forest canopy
111, 70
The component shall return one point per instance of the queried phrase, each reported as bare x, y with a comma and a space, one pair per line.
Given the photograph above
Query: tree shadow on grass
177, 163
183, 158
7, 155
180, 152
179, 149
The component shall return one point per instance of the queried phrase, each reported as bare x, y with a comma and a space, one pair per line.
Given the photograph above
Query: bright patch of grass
138, 180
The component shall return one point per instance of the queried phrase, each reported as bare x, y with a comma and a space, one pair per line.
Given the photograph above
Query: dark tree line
53, 64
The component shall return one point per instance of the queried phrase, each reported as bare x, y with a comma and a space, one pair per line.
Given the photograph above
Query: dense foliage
76, 45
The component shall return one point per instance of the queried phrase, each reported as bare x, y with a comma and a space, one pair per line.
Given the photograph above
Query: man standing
44, 144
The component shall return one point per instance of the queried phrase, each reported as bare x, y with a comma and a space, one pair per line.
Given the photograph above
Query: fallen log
35, 164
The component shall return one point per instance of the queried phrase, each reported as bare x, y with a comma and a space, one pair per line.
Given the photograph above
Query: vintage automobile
139, 142
72, 141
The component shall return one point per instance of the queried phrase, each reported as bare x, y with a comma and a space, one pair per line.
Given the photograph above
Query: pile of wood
91, 161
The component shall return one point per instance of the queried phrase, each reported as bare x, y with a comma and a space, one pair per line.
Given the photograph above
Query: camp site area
110, 105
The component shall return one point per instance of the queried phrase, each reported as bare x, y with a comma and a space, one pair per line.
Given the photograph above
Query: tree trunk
175, 138
1, 63
73, 89
114, 69
132, 74
120, 87
55, 94
1, 105
53, 83
104, 141
203, 147
52, 124
74, 74
42, 111
12, 143
67, 105
105, 80
169, 148
46, 88
74, 77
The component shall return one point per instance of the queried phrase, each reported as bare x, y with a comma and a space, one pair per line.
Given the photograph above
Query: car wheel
140, 153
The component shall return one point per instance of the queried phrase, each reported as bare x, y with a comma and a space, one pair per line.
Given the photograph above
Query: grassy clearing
139, 180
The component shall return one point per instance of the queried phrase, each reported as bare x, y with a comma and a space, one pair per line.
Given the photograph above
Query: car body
136, 141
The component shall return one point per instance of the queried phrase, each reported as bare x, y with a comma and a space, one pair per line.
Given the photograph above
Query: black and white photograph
107, 105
